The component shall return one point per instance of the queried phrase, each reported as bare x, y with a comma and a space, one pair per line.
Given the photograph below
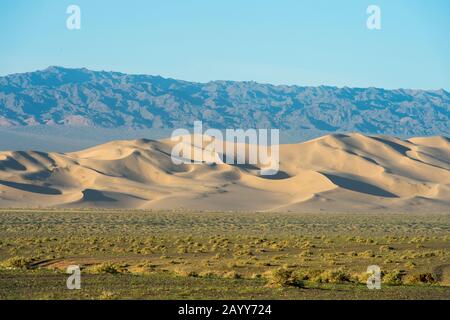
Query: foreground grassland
187, 255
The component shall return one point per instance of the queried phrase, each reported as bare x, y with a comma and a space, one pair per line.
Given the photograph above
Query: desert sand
340, 172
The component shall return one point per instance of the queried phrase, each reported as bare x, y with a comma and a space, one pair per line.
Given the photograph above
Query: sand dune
350, 172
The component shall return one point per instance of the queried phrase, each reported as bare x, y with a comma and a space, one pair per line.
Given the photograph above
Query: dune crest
339, 172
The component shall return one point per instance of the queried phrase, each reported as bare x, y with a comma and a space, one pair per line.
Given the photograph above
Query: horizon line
233, 81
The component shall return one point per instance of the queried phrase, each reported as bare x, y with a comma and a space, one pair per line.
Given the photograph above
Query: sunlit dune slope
341, 172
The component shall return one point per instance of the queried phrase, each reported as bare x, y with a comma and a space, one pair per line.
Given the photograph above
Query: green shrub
186, 273
427, 278
306, 253
367, 254
285, 278
360, 277
394, 277
106, 295
207, 274
334, 276
17, 263
108, 267
232, 275
303, 275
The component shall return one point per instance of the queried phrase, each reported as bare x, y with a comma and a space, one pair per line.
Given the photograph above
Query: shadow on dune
95, 195
31, 188
397, 147
12, 164
280, 175
359, 186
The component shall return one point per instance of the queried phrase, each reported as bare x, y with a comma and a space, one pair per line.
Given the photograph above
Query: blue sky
281, 42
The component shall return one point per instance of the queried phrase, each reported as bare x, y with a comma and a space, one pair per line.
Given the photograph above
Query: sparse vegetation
228, 250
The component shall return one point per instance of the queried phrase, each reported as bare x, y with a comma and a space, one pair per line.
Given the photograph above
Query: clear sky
279, 41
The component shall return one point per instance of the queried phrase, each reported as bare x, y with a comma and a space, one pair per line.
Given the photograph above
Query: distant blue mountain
71, 97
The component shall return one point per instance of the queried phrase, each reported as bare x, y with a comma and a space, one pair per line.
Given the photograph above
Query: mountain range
60, 96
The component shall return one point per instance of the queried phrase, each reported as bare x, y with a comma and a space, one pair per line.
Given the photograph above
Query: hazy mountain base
54, 138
